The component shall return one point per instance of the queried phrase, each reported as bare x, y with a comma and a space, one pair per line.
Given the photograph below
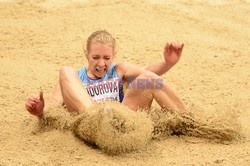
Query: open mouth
101, 71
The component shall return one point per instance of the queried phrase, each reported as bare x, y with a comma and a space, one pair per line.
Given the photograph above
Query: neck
91, 75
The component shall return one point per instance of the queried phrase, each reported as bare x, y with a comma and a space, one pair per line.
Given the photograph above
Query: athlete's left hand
172, 52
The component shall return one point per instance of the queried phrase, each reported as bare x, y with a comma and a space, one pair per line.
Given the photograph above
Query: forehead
101, 48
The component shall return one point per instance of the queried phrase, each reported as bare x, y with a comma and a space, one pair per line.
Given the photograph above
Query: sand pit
195, 124
115, 129
111, 126
38, 37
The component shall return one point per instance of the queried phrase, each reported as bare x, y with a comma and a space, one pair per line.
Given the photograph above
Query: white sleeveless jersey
107, 88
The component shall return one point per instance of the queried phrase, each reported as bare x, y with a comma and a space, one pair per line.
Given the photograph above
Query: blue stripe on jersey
112, 74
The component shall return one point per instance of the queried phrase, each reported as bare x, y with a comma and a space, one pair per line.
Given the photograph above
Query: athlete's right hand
35, 106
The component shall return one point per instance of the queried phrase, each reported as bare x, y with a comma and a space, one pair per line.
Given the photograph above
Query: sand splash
116, 129
221, 129
111, 126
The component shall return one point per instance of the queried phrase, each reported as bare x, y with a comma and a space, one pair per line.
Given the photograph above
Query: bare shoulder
120, 69
123, 67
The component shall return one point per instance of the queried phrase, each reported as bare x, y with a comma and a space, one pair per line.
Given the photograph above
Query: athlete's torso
107, 88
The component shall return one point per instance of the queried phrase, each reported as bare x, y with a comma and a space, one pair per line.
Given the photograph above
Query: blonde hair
101, 36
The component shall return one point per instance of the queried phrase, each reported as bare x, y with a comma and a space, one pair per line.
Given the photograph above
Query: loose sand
37, 37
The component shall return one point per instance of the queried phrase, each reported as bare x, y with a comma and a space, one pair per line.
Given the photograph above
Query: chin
100, 75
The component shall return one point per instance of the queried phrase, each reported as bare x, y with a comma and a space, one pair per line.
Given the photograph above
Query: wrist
40, 116
167, 63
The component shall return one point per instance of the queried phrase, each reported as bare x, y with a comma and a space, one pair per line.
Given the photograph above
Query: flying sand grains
56, 117
195, 124
116, 129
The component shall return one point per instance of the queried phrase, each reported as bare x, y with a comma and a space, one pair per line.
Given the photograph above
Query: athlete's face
100, 57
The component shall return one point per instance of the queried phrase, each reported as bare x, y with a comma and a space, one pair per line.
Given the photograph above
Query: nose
101, 63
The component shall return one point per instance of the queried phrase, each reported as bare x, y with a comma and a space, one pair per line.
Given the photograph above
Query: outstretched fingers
167, 48
41, 96
177, 47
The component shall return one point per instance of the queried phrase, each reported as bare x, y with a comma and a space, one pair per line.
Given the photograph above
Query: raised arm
172, 53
